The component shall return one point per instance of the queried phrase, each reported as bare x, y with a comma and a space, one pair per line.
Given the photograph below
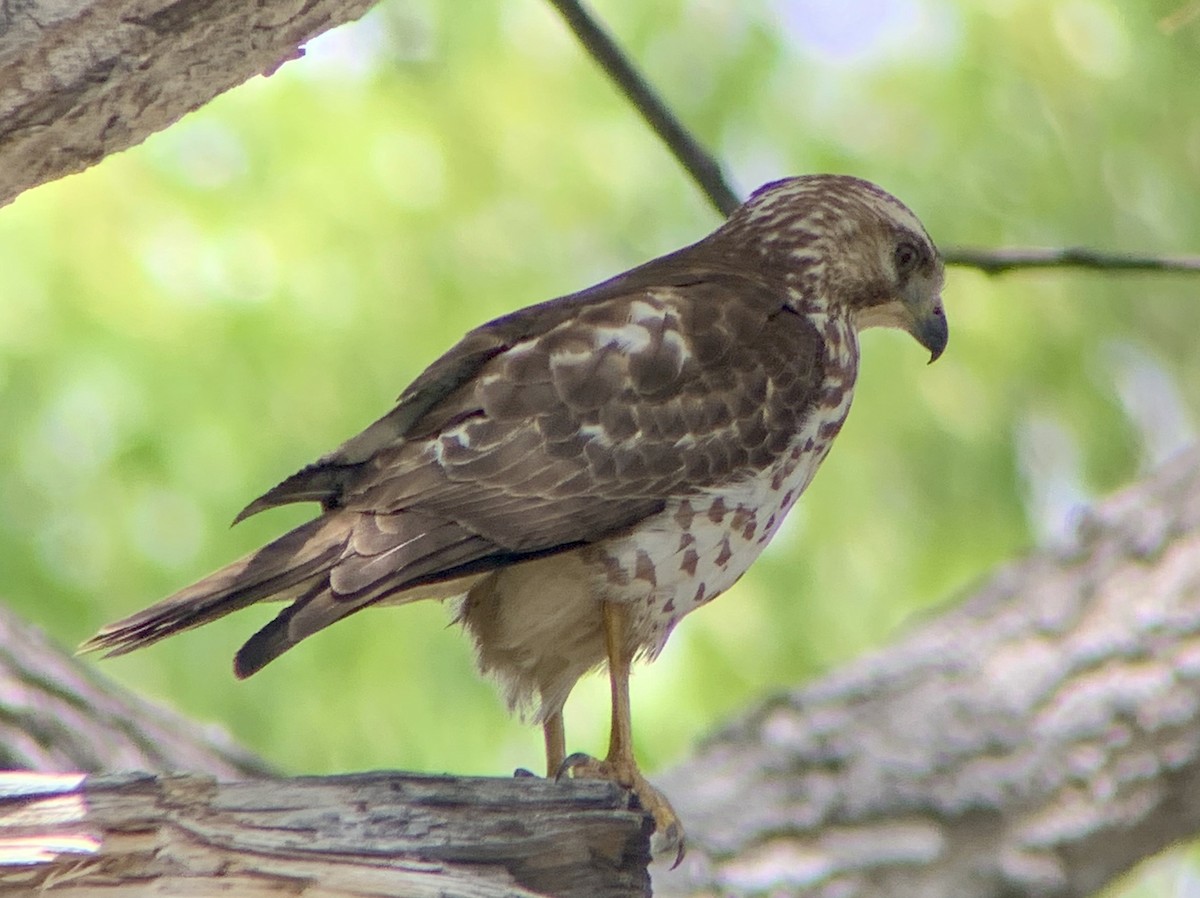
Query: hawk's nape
581, 474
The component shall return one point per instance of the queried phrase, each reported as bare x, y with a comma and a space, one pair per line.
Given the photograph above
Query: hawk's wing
547, 429
578, 429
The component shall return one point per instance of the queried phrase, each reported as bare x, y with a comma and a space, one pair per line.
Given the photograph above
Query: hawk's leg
556, 743
620, 765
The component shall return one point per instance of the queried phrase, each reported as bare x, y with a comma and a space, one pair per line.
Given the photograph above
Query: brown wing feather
324, 480
570, 436
383, 555
328, 568
544, 430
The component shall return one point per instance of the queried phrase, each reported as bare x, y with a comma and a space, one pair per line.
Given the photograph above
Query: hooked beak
930, 329
922, 300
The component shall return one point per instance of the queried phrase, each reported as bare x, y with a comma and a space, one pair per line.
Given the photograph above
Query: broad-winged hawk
580, 474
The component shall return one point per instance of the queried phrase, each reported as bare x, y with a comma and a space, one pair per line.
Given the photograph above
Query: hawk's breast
699, 545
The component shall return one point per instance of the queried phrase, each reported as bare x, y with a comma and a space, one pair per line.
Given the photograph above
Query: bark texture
85, 78
335, 837
1039, 739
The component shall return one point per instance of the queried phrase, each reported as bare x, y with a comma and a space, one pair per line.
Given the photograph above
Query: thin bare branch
706, 170
700, 164
998, 261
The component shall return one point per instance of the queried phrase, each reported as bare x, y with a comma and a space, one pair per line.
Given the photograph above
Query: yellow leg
620, 765
620, 738
556, 744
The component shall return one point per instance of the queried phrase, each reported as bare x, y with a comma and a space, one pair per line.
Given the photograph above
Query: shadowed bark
60, 714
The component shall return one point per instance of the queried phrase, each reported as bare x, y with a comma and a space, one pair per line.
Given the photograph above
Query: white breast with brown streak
698, 547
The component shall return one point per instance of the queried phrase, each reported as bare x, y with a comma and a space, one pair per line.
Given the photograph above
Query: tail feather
279, 570
326, 569
277, 637
437, 552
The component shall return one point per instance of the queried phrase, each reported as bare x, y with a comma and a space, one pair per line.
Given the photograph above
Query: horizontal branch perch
361, 836
1039, 738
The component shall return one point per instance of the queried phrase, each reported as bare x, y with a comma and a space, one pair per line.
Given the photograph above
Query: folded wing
541, 432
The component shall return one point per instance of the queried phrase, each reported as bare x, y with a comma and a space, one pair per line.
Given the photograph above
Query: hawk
580, 474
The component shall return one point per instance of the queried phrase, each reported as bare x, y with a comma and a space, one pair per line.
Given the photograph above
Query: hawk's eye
907, 257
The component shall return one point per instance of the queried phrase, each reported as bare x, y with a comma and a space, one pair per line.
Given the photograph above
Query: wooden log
359, 836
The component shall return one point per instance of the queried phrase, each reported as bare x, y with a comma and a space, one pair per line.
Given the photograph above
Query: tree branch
90, 79
86, 79
998, 261
706, 170
691, 154
364, 836
1039, 739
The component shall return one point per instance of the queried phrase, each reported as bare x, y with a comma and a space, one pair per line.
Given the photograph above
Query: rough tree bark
1038, 739
83, 79
367, 836
57, 714
361, 836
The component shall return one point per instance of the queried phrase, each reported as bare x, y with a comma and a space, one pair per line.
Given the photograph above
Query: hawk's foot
668, 831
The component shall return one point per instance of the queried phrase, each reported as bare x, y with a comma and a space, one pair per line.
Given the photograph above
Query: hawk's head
843, 241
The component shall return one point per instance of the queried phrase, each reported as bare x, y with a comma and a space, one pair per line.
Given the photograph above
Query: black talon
570, 762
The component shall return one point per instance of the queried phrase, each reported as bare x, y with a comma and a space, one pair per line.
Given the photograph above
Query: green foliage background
189, 322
